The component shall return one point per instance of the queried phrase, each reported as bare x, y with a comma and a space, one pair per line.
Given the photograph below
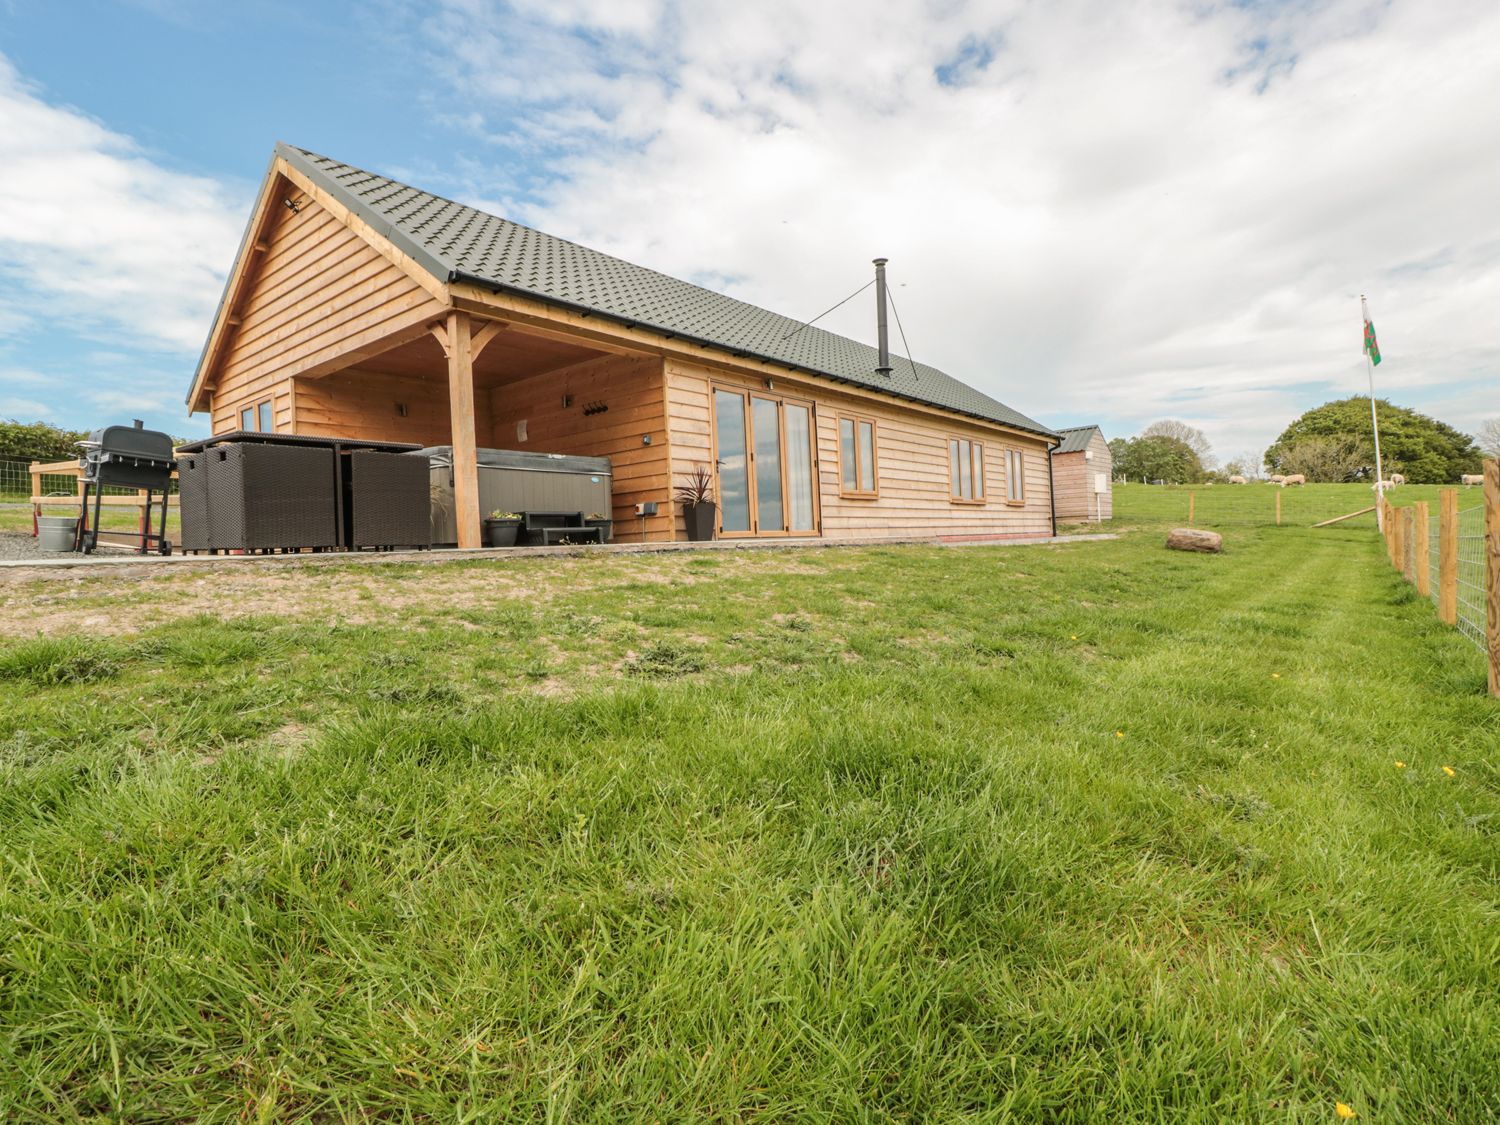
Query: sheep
1236, 480
1293, 480
1397, 478
1468, 480
1383, 485
1277, 478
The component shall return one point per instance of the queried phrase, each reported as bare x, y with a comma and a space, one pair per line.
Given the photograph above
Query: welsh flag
1372, 349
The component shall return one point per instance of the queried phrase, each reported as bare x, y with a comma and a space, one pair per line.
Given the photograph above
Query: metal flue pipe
882, 334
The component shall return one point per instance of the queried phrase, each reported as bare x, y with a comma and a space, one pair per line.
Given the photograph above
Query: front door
766, 469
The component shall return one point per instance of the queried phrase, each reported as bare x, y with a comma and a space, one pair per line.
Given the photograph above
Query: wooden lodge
359, 306
1082, 475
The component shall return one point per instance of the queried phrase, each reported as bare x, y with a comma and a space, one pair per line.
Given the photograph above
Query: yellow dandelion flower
1119, 734
1344, 1111
1450, 771
1275, 675
1400, 765
1075, 636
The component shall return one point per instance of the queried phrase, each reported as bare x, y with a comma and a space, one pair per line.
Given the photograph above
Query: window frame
857, 493
1015, 477
978, 492
747, 395
250, 417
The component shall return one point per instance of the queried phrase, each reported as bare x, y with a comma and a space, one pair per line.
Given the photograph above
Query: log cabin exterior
1078, 463
363, 307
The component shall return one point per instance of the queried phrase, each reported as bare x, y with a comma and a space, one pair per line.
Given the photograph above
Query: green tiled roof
1075, 438
455, 242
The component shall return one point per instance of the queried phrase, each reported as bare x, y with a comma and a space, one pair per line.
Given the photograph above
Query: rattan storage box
268, 497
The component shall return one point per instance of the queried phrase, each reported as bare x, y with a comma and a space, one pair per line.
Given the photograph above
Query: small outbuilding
1082, 475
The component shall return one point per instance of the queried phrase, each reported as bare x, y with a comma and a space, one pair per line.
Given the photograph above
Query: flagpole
1364, 315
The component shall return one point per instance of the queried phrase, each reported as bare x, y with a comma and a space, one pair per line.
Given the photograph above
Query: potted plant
699, 512
501, 529
599, 520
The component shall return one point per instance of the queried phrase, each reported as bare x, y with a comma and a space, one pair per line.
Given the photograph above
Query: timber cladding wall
631, 390
318, 291
1073, 482
912, 460
367, 404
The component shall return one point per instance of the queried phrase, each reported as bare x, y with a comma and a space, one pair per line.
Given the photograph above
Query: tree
1156, 458
1421, 448
1327, 459
36, 441
1190, 436
1489, 437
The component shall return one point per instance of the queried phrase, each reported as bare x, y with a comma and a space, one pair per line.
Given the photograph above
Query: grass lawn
1245, 504
1081, 833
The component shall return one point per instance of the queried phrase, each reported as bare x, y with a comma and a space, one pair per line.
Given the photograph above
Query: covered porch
472, 383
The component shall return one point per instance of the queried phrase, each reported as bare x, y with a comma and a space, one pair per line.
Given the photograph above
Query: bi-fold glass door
763, 446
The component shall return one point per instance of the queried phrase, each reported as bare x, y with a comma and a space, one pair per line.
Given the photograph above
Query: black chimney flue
883, 338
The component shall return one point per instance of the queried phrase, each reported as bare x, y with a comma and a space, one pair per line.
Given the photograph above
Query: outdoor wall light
401, 409
645, 439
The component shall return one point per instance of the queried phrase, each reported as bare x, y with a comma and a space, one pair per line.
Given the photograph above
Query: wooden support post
1492, 569
1408, 543
1448, 556
465, 441
1278, 507
1398, 548
1422, 549
1192, 498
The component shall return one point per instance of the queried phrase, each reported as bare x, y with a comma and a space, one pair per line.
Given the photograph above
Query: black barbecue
126, 457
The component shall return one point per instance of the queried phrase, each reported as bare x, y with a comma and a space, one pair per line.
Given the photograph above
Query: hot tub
513, 481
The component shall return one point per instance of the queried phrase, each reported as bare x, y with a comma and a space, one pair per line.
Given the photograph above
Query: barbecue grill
126, 457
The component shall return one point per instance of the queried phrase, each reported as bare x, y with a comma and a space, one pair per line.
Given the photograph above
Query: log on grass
1195, 539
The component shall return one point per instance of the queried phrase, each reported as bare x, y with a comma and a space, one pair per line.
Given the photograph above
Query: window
857, 457
966, 470
767, 477
1015, 477
257, 418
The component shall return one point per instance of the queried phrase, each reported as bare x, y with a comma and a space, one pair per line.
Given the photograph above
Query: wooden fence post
1388, 524
1448, 556
1408, 542
1278, 506
1398, 548
1192, 496
1422, 550
1492, 569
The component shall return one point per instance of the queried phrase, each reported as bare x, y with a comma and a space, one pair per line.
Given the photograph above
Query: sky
1095, 212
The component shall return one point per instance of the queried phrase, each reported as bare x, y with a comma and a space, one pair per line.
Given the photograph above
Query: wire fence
1471, 575
16, 484
1450, 552
1248, 505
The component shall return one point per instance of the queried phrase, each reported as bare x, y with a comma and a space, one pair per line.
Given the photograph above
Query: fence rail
1453, 558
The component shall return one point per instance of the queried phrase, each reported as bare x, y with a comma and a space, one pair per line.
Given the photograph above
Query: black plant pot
608, 527
501, 533
701, 520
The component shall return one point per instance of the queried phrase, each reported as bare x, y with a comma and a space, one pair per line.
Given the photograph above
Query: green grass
1090, 833
1251, 504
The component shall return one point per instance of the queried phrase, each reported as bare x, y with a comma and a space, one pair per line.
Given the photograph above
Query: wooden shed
1082, 475
363, 307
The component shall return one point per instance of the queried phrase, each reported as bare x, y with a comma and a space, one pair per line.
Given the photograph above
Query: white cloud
1115, 211
96, 235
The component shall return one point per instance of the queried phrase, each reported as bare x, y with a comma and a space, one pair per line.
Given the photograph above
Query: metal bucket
56, 533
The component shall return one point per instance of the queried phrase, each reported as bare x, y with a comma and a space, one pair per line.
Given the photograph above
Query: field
1079, 833
1252, 504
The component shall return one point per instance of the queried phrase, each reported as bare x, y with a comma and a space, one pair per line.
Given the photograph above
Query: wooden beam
439, 331
465, 442
482, 337
1350, 516
1448, 556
